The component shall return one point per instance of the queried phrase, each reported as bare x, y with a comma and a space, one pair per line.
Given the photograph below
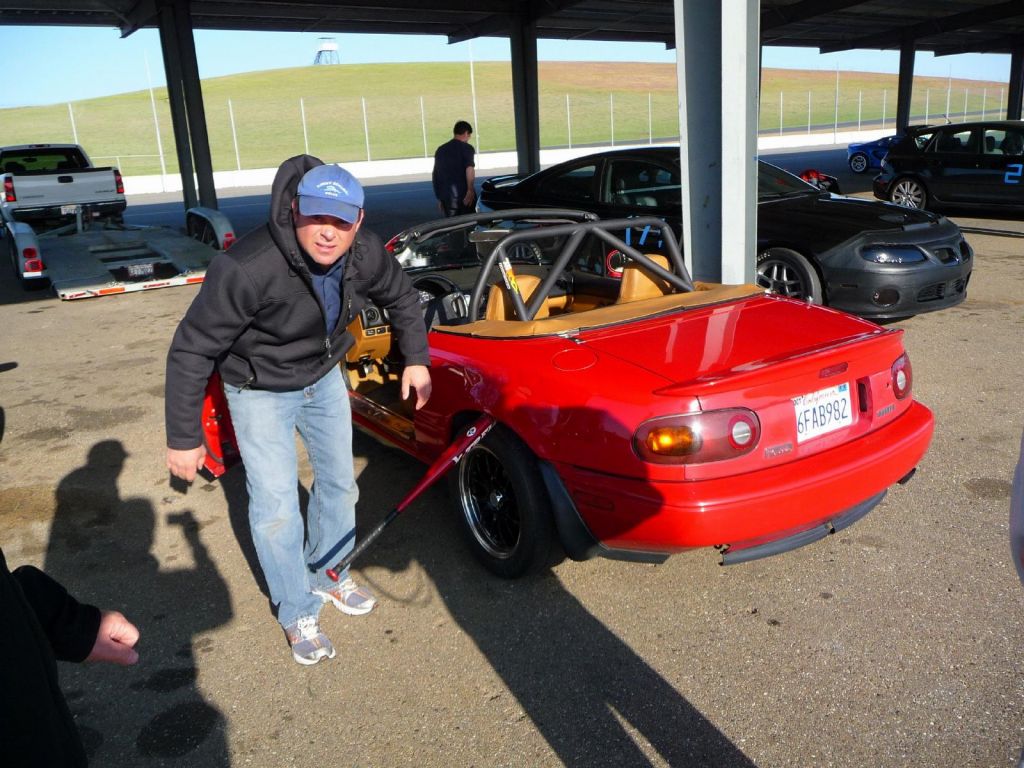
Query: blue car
868, 155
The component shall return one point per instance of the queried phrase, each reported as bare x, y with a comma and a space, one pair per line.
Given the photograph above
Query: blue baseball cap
330, 190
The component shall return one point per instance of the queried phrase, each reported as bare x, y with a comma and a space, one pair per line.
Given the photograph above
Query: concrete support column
525, 99
1016, 90
717, 62
176, 100
186, 101
194, 103
905, 85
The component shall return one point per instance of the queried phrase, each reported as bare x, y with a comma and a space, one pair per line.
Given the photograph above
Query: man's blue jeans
265, 425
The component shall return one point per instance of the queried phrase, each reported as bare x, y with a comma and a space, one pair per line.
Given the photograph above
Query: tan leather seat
500, 306
640, 283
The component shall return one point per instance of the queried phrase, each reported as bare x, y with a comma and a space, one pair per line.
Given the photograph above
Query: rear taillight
902, 376
9, 196
228, 240
391, 245
698, 438
119, 182
32, 262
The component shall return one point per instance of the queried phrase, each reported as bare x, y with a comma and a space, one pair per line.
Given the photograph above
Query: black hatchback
871, 259
962, 165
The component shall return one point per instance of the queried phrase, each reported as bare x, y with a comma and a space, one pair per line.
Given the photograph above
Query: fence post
366, 128
568, 119
860, 102
305, 133
965, 105
611, 114
835, 120
156, 126
1001, 110
650, 120
984, 94
74, 130
808, 113
885, 94
472, 89
927, 105
234, 137
949, 92
780, 113
423, 126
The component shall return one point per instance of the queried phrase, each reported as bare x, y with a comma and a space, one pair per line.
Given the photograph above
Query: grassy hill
406, 110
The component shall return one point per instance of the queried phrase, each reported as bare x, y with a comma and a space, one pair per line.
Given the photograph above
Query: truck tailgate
76, 187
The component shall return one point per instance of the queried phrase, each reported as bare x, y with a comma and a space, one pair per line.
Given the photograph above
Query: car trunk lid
717, 355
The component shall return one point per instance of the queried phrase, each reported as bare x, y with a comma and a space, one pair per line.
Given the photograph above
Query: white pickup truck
47, 185
62, 221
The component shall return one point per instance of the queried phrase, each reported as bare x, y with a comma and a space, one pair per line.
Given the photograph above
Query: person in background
41, 623
272, 316
455, 172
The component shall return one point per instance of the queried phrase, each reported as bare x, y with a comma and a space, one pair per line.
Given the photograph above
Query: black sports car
873, 259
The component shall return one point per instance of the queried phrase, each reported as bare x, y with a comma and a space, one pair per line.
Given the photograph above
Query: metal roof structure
943, 27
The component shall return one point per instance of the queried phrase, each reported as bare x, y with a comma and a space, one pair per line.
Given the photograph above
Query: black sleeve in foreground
71, 626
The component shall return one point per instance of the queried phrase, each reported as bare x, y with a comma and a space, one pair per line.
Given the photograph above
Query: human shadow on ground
592, 697
99, 548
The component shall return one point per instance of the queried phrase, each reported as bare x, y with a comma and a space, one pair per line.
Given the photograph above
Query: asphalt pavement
896, 642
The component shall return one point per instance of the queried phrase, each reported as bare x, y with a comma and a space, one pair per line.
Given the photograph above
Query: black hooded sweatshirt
39, 622
258, 320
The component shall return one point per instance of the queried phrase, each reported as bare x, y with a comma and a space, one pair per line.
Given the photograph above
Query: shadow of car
868, 258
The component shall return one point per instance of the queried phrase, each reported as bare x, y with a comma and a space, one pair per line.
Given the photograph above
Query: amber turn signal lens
673, 441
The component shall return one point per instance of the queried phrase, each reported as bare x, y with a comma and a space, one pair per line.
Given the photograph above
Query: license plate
822, 412
140, 270
68, 210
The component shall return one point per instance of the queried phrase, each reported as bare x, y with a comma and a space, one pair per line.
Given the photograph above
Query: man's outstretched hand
115, 641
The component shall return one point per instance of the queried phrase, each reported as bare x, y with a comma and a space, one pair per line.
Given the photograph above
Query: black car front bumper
889, 291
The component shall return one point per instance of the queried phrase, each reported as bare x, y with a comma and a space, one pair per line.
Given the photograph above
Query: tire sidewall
536, 533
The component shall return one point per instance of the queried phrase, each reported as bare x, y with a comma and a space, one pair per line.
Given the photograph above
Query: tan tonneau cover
572, 322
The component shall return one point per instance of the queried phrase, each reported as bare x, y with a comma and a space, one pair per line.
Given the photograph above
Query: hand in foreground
185, 463
416, 377
115, 641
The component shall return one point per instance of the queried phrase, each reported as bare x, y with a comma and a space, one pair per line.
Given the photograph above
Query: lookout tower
327, 52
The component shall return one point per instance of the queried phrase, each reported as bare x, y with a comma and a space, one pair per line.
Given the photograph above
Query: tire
786, 273
502, 505
858, 162
908, 192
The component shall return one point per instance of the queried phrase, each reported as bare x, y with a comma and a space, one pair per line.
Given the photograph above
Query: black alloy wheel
503, 506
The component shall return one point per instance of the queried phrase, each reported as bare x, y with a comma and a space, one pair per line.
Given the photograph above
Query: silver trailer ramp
88, 261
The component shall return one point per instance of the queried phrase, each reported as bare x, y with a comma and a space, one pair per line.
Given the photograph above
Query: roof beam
500, 24
1001, 44
777, 16
893, 37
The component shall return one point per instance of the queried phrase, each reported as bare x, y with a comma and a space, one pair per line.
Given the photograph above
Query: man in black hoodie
41, 622
272, 317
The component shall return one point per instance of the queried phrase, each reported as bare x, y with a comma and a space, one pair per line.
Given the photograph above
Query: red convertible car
637, 416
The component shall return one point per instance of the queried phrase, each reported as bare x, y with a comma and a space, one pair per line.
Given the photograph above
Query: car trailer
86, 258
